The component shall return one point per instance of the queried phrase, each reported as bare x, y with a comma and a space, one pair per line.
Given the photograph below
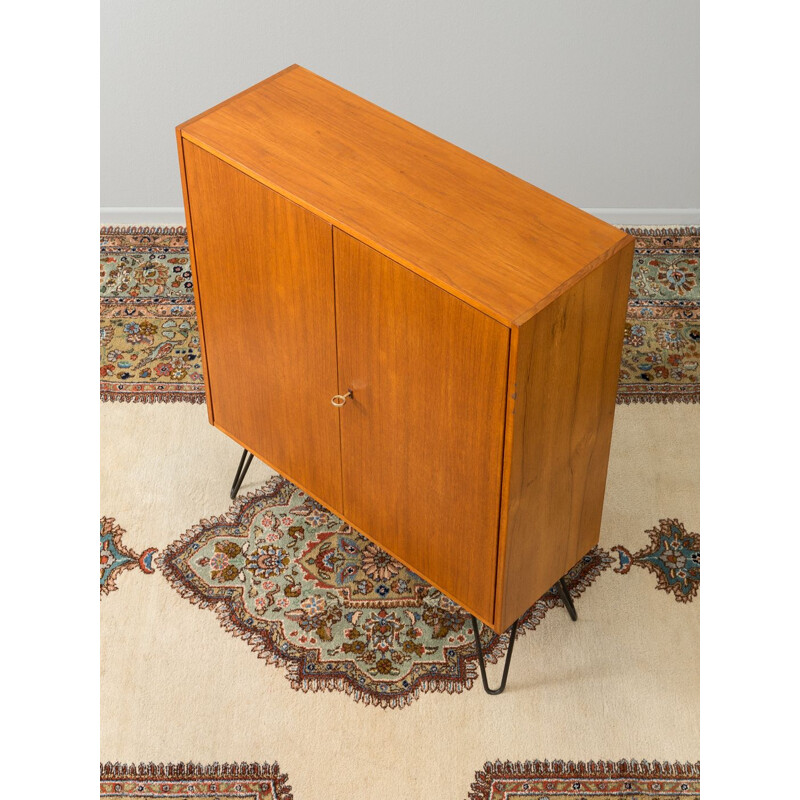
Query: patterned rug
265, 630
531, 780
602, 780
314, 597
150, 348
218, 781
269, 631
115, 557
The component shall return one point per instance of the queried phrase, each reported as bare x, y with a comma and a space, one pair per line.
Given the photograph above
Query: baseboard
149, 217
650, 217
633, 217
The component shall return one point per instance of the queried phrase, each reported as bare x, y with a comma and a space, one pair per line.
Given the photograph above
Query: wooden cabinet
473, 321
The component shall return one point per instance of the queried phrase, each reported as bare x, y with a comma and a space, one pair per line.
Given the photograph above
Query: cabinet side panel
567, 370
265, 276
422, 436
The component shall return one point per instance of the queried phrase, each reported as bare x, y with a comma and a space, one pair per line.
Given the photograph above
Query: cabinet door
264, 282
422, 436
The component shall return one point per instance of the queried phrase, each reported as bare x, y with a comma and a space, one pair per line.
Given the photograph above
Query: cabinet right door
422, 435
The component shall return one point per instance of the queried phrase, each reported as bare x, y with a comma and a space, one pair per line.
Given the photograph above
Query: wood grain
264, 271
503, 245
195, 283
422, 436
567, 369
477, 319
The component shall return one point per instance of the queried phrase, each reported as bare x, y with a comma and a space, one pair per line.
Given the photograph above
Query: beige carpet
621, 683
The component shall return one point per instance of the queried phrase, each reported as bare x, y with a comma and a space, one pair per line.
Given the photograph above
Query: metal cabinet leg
241, 472
563, 592
566, 599
482, 663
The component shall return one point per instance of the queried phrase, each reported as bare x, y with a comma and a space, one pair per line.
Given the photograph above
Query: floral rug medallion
308, 593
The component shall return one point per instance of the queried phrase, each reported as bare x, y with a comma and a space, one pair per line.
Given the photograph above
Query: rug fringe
152, 397
134, 230
180, 230
190, 771
688, 230
486, 779
200, 399
109, 770
661, 398
644, 768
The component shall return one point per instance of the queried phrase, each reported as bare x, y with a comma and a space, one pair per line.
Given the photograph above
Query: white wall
596, 101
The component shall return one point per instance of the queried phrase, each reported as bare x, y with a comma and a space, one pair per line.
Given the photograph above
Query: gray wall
596, 101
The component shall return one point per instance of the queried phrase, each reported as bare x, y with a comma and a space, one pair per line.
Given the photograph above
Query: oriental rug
600, 780
264, 630
198, 781
115, 557
150, 347
531, 780
311, 595
285, 656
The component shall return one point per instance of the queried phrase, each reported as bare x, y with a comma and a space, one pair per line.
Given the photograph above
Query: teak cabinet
470, 323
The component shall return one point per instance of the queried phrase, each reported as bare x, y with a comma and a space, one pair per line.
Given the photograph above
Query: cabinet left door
263, 272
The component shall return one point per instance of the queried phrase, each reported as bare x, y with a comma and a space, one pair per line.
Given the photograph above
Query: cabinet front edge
196, 287
624, 240
505, 479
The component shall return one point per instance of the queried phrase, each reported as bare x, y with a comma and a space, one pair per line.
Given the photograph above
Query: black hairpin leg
566, 599
481, 662
241, 472
563, 592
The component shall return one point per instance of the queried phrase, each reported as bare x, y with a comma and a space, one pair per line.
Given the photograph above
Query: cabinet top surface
500, 243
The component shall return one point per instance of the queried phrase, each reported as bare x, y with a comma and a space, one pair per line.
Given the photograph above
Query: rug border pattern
223, 777
486, 779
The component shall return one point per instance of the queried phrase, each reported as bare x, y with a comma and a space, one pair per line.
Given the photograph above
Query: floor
621, 683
